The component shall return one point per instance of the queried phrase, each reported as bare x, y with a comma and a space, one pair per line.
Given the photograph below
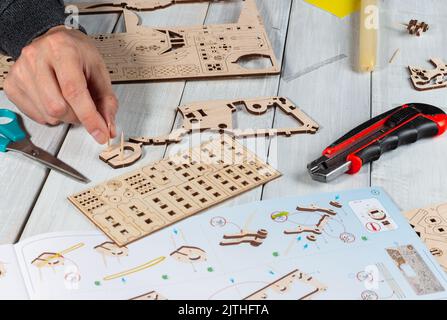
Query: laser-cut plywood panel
141, 202
217, 115
144, 54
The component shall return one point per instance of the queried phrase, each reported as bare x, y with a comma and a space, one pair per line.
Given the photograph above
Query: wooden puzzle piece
254, 239
196, 52
218, 116
143, 201
423, 79
284, 284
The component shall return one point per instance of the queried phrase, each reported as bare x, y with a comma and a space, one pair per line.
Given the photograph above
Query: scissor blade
29, 150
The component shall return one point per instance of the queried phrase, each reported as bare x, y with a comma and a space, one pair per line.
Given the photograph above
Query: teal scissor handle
10, 131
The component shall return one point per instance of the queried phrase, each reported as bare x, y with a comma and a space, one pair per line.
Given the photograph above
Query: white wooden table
34, 200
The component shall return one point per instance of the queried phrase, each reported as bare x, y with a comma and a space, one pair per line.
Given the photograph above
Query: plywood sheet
144, 53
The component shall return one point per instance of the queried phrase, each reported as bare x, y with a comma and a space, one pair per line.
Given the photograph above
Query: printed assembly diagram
315, 247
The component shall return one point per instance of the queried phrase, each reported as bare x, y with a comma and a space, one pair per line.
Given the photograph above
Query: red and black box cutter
366, 143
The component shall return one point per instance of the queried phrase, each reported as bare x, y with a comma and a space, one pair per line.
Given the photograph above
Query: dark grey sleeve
23, 20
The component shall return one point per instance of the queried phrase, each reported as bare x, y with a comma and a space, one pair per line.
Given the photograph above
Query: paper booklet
347, 245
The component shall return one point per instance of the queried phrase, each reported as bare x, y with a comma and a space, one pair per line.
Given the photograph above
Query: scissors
13, 138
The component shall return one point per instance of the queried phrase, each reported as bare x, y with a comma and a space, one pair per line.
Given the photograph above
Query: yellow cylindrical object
369, 27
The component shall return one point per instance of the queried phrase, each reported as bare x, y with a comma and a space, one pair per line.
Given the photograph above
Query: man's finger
73, 84
50, 95
102, 93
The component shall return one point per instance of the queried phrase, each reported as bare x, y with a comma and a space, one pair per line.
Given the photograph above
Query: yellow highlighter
369, 27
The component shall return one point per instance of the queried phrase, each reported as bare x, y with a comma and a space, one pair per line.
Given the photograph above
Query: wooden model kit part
146, 200
431, 226
283, 285
147, 54
423, 79
218, 116
122, 155
416, 28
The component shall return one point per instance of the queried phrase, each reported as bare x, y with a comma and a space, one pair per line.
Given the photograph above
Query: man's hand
61, 77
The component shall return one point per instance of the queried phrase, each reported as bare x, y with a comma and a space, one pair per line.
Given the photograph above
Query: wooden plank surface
21, 178
318, 75
334, 95
414, 175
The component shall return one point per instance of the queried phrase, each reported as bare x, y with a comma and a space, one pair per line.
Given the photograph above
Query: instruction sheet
347, 245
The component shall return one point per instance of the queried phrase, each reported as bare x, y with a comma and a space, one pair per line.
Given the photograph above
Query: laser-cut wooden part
417, 28
139, 5
152, 295
218, 116
115, 157
143, 201
146, 54
429, 79
431, 226
284, 284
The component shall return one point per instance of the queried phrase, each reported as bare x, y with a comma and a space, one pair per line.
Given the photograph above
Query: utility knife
367, 142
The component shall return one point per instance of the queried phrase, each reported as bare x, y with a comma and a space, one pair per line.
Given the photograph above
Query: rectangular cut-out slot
140, 183
186, 204
116, 227
148, 199
144, 217
88, 201
164, 207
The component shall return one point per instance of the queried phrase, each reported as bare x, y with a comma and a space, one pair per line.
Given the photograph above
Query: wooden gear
429, 79
141, 202
218, 116
144, 54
